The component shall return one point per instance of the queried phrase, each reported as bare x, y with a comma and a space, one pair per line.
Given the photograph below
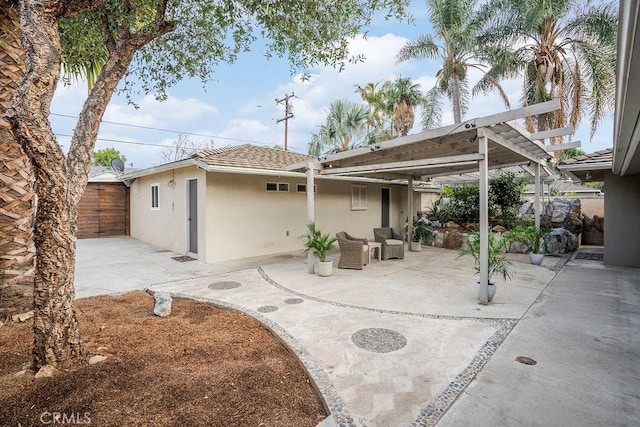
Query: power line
122, 141
165, 130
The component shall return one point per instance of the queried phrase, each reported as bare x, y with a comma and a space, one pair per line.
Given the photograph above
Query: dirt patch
202, 366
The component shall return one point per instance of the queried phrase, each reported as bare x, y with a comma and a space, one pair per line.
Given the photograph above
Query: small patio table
375, 249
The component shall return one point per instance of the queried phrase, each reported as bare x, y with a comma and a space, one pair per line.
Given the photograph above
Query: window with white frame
155, 196
358, 197
277, 186
302, 188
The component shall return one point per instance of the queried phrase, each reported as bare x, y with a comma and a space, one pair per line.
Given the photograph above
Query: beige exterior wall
591, 206
249, 221
238, 218
167, 226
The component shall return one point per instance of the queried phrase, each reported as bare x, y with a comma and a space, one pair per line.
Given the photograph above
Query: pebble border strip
323, 383
430, 414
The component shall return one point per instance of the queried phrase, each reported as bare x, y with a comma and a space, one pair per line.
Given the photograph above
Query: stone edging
319, 377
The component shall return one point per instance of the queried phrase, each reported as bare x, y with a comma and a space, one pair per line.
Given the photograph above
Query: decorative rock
526, 208
558, 216
561, 241
516, 247
163, 304
97, 359
423, 219
438, 239
436, 224
22, 317
470, 226
453, 239
47, 371
451, 224
499, 229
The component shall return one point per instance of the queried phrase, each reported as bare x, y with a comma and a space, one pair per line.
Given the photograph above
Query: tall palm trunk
456, 101
17, 254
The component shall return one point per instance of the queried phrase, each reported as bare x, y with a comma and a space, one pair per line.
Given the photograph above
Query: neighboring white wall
244, 220
167, 226
621, 225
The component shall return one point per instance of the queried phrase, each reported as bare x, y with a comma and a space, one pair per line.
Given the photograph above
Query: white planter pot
536, 259
415, 246
324, 269
492, 290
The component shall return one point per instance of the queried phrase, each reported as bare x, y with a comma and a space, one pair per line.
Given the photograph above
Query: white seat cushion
394, 242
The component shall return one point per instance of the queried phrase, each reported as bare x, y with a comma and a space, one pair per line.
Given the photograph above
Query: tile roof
603, 156
250, 156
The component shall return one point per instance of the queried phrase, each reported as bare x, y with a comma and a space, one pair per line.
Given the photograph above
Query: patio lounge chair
354, 252
392, 242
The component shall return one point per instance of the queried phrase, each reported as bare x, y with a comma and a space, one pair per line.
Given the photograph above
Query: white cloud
174, 111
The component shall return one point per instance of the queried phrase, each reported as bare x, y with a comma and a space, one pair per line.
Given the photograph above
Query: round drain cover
221, 286
378, 340
526, 360
267, 308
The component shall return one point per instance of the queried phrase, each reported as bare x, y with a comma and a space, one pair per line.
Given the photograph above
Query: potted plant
533, 237
498, 262
320, 245
421, 234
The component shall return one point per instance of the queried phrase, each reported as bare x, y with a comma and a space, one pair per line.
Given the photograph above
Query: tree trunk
457, 102
60, 181
17, 254
56, 334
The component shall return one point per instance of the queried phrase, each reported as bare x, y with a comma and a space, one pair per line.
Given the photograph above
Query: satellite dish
117, 165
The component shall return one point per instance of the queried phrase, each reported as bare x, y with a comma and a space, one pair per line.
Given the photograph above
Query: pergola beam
553, 133
565, 146
405, 165
508, 145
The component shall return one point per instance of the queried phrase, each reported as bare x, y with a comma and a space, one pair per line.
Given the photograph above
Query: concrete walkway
402, 341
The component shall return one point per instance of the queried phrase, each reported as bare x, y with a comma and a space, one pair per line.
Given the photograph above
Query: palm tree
458, 51
402, 95
345, 128
17, 254
565, 49
375, 98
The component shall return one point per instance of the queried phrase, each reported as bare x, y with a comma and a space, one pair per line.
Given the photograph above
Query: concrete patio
404, 342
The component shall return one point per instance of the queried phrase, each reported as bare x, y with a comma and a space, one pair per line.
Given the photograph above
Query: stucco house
237, 202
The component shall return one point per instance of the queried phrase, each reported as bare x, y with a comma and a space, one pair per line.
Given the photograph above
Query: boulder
561, 241
438, 239
163, 304
517, 247
436, 224
499, 229
451, 224
453, 239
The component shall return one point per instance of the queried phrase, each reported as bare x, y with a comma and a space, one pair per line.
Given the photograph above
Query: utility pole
287, 115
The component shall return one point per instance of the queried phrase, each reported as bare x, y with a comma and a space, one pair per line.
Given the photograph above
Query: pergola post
410, 208
536, 198
484, 217
311, 168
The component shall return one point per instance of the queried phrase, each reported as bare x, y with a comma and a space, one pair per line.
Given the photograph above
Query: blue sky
238, 106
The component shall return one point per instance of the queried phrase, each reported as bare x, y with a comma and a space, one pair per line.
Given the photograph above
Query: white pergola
477, 145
